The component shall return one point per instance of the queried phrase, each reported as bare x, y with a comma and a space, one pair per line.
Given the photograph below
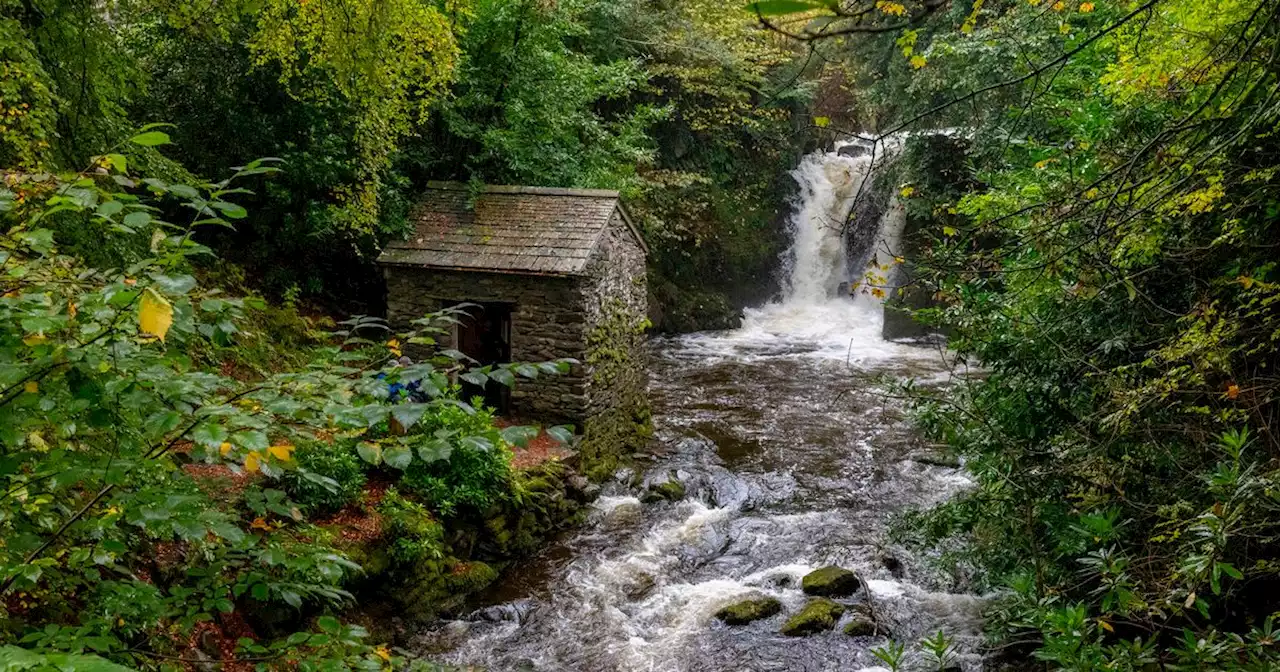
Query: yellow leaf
259, 524
1091, 194
1105, 625
892, 8
949, 231
907, 191
225, 449
72, 310
1233, 391
251, 462
33, 340
822, 122
1245, 281
281, 452
155, 314
383, 652
918, 61
1086, 7
1064, 28
31, 387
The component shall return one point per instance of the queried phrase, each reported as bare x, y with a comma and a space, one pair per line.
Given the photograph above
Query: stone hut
554, 273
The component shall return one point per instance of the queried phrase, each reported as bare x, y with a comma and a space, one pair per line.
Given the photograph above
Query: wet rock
894, 566
581, 489
937, 459
818, 615
746, 611
671, 490
638, 586
854, 151
861, 627
830, 581
864, 624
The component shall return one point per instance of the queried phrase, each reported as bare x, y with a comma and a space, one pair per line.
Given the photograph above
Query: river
793, 458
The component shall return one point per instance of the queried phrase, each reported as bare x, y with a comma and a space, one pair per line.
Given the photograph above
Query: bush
415, 535
477, 472
329, 477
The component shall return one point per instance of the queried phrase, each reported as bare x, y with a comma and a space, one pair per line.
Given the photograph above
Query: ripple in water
791, 461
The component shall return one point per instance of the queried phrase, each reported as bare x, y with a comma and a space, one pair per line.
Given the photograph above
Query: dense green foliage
1109, 261
148, 465
688, 108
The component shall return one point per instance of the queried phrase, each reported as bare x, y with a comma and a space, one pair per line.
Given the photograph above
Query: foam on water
782, 477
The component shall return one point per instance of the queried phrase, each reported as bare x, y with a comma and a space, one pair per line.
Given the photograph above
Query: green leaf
398, 457
260, 592
435, 450
519, 435
162, 422
251, 440
110, 208
329, 624
408, 414
503, 377
369, 452
561, 433
781, 7
137, 219
150, 139
477, 443
475, 378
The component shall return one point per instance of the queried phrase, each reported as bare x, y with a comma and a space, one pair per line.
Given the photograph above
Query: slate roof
524, 230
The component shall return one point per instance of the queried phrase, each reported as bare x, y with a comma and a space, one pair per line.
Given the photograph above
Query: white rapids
792, 460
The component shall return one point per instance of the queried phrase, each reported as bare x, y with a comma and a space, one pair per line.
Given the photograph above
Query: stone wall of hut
548, 321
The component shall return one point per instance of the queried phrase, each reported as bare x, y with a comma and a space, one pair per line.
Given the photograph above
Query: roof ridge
517, 189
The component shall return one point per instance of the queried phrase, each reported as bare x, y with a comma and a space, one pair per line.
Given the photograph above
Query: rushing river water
792, 458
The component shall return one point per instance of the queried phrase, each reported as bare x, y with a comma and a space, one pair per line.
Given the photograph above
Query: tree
1111, 265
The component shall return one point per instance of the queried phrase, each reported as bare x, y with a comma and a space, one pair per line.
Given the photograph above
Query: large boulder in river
746, 611
819, 615
830, 581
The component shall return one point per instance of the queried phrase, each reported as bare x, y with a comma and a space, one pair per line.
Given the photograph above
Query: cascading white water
828, 254
789, 462
817, 262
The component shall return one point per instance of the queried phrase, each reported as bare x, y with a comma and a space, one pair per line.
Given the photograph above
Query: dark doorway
485, 336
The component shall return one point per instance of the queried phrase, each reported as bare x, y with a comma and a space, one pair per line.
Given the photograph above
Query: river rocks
581, 489
863, 624
937, 459
830, 581
746, 611
861, 627
670, 490
818, 615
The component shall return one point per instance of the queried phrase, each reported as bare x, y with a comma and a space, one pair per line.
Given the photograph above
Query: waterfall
837, 233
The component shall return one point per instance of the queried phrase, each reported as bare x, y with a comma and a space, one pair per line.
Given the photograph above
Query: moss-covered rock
818, 615
671, 490
470, 577
746, 611
862, 626
831, 581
